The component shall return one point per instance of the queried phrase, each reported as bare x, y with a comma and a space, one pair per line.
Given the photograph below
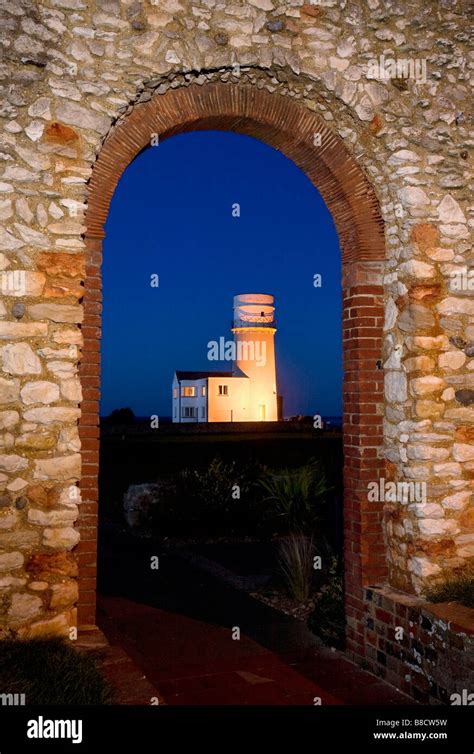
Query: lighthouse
246, 391
254, 336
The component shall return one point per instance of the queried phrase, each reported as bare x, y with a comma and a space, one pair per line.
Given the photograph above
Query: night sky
171, 215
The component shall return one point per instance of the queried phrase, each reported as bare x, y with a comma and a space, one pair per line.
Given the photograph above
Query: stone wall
74, 74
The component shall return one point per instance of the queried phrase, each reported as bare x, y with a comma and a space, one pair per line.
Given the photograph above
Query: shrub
458, 587
49, 671
296, 562
328, 620
222, 494
295, 494
121, 416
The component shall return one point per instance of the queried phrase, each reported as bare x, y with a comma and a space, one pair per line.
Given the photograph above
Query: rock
71, 390
464, 434
60, 625
275, 26
10, 561
419, 364
68, 441
8, 419
465, 397
12, 463
44, 565
419, 452
18, 358
61, 468
415, 318
61, 265
64, 538
40, 391
413, 197
453, 305
70, 337
23, 608
52, 414
463, 452
8, 519
426, 385
415, 268
56, 312
9, 390
427, 343
391, 314
395, 386
426, 409
449, 211
64, 594
427, 510
61, 516
77, 116
424, 292
458, 500
423, 567
9, 242
41, 440
437, 526
15, 330
139, 500
452, 360
59, 133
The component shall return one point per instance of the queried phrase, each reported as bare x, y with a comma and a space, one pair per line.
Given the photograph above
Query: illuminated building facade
247, 391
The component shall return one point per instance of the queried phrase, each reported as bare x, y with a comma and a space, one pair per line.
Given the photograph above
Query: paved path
178, 626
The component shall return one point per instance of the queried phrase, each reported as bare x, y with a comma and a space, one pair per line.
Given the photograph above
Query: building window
203, 391
188, 412
188, 392
175, 392
175, 412
203, 412
223, 390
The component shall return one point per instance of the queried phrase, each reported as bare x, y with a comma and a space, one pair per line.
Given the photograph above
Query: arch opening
292, 129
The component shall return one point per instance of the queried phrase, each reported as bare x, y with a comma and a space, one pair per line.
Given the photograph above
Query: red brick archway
291, 128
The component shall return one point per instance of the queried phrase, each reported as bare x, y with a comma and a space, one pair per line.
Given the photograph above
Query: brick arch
290, 128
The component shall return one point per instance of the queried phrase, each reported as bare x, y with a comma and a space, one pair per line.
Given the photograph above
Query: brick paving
192, 662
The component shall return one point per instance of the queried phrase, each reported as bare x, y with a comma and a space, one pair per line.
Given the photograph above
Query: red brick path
196, 663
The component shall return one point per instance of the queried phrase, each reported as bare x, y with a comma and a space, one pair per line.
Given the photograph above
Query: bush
296, 563
459, 587
296, 495
49, 671
224, 494
328, 620
121, 416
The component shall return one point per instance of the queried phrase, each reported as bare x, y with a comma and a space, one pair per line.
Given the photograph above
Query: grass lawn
50, 671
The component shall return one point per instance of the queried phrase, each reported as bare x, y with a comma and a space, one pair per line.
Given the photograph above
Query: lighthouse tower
254, 336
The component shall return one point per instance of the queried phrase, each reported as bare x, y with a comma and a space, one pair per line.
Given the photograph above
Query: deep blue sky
171, 214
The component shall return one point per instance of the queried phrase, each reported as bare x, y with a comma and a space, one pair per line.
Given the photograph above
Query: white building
247, 391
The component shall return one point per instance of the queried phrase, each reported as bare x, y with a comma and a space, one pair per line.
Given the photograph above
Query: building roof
200, 375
